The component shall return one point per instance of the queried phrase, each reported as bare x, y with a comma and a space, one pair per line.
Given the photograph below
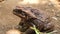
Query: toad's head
23, 12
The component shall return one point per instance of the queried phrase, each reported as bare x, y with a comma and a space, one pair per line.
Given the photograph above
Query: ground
8, 20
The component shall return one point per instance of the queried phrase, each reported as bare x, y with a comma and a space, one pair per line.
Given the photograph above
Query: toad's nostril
15, 10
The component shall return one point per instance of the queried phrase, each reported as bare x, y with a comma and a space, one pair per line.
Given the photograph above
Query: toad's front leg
23, 26
29, 31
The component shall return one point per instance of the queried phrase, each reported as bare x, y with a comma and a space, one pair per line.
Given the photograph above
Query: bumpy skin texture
29, 17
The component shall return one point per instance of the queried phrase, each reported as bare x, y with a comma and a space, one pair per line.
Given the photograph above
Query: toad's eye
23, 13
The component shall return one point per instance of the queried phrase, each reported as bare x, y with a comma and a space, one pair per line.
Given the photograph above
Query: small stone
13, 31
55, 18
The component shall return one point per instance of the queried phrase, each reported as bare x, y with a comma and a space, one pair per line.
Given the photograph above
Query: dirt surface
8, 20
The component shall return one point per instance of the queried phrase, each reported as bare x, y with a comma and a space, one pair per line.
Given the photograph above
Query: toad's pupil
23, 13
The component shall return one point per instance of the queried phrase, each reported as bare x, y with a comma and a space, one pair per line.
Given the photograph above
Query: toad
31, 16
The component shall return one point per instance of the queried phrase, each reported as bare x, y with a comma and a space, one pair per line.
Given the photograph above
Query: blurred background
8, 20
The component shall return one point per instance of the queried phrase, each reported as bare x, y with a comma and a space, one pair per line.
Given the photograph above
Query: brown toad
29, 17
